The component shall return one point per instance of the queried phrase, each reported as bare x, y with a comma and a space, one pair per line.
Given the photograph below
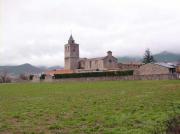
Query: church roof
71, 40
71, 37
98, 58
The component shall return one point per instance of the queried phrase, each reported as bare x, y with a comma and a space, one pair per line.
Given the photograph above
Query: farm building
157, 68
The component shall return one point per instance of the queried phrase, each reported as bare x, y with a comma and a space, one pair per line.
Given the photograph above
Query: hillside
166, 57
129, 59
21, 69
160, 57
54, 68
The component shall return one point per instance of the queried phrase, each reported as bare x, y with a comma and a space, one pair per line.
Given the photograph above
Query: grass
114, 107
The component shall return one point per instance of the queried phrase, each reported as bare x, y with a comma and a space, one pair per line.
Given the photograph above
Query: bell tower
71, 54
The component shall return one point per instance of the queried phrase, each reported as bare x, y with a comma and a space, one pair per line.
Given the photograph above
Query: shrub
23, 77
42, 77
31, 77
94, 74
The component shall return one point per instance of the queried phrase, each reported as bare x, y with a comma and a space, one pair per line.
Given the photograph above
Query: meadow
108, 107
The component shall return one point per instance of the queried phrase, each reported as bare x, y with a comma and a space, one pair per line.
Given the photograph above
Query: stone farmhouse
157, 68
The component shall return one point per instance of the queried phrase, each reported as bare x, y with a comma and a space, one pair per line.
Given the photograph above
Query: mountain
129, 59
51, 68
54, 67
21, 69
166, 57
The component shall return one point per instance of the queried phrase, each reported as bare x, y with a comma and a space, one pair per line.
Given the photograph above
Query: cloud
35, 31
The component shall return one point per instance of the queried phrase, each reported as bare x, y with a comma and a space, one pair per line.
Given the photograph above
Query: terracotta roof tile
63, 71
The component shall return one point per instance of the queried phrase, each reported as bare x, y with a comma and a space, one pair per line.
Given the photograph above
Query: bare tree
4, 78
23, 77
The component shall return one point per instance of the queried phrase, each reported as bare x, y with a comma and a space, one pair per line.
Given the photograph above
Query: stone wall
133, 77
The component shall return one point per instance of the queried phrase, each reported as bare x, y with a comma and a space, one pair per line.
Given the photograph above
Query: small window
90, 64
110, 61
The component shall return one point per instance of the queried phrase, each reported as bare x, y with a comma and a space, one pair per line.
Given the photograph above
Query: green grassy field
124, 107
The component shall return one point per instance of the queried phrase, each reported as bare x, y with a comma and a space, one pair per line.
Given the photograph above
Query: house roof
167, 65
63, 71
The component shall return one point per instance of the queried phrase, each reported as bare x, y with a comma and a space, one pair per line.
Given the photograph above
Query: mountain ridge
163, 56
21, 69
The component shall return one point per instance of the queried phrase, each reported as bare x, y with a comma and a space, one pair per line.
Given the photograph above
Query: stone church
74, 62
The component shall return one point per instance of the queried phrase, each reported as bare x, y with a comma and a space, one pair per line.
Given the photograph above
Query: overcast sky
35, 31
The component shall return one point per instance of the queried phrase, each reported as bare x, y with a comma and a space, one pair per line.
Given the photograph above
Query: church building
74, 64
72, 61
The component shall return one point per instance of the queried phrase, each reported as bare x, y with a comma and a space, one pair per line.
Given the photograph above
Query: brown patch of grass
173, 125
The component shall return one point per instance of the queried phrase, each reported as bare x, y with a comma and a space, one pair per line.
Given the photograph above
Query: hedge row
94, 74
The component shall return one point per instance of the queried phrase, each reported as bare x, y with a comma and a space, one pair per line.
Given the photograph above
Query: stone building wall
178, 69
149, 69
93, 64
129, 66
110, 62
102, 63
71, 63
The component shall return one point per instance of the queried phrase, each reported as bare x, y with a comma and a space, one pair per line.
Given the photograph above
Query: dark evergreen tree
148, 58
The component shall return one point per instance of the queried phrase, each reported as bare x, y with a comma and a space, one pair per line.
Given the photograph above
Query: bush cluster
94, 74
42, 77
31, 77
